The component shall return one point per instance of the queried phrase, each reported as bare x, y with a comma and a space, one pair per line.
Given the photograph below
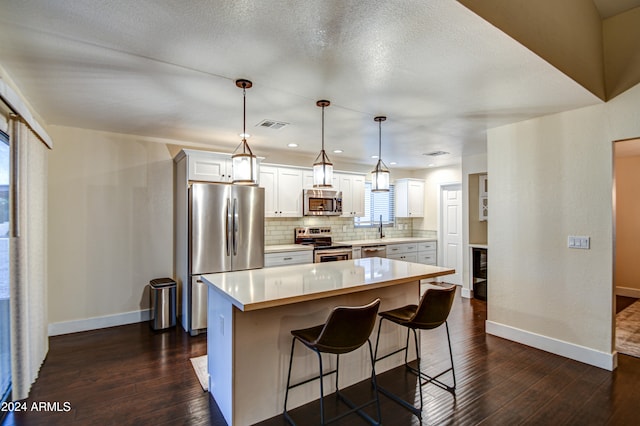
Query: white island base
251, 315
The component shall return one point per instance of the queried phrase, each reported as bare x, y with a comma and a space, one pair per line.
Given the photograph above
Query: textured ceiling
166, 69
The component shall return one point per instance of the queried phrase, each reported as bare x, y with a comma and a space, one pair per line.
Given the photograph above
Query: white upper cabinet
207, 166
282, 191
409, 198
307, 180
352, 187
483, 198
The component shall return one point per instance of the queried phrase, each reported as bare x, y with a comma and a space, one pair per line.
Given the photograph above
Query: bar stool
346, 330
432, 312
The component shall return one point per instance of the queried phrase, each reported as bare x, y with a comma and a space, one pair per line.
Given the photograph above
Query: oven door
329, 255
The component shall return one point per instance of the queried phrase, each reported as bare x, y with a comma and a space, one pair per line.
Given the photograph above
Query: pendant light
243, 161
380, 175
322, 167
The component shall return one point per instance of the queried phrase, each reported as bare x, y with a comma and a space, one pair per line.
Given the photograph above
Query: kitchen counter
251, 315
390, 240
271, 287
282, 248
475, 245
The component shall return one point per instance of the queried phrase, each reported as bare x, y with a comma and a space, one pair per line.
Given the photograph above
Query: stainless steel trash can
162, 292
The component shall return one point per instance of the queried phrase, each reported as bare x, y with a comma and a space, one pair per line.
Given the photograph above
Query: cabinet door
357, 195
290, 192
407, 257
345, 185
209, 168
416, 198
409, 198
352, 187
269, 181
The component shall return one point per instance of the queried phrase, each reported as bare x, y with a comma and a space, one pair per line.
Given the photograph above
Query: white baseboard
95, 323
628, 292
607, 361
466, 293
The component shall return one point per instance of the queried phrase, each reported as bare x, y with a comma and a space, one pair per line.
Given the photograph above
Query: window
377, 204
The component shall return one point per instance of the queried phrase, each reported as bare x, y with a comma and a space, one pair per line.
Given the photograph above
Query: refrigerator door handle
228, 221
235, 226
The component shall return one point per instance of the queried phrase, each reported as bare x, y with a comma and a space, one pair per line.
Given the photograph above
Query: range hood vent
436, 153
272, 124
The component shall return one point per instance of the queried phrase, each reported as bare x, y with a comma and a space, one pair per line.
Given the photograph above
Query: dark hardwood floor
130, 375
624, 302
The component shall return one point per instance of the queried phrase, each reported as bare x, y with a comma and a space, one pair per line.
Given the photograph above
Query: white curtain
28, 257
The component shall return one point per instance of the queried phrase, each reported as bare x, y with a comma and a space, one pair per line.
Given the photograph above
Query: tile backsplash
280, 230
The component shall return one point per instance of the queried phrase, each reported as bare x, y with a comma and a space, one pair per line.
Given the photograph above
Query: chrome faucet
380, 228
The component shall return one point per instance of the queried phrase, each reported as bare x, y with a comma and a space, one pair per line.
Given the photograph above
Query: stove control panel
312, 231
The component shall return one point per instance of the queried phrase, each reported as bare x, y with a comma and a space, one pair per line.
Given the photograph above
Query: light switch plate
579, 242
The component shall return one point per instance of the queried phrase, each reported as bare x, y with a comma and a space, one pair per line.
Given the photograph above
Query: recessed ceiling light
292, 145
393, 163
245, 135
374, 156
337, 151
430, 165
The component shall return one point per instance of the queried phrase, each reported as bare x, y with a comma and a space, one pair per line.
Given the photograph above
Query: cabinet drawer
427, 245
401, 248
428, 258
407, 257
288, 258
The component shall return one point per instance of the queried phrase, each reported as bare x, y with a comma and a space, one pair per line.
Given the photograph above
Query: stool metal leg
286, 395
423, 378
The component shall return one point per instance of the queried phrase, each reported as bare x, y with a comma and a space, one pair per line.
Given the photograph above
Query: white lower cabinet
288, 258
424, 252
356, 253
427, 253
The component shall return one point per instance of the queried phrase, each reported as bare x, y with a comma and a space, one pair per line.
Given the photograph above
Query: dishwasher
378, 250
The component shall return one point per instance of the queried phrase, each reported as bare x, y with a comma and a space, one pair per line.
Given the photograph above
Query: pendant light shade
243, 161
322, 167
380, 175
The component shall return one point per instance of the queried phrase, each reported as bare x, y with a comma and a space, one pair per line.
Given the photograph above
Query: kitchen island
251, 314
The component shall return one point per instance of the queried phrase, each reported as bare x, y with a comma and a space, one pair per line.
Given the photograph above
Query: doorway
451, 230
626, 209
5, 319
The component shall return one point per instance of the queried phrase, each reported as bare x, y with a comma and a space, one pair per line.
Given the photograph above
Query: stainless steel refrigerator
226, 233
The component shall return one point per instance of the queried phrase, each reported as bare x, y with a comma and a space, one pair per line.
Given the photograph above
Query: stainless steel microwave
322, 202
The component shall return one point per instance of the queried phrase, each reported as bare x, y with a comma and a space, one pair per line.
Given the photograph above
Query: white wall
110, 227
433, 178
551, 178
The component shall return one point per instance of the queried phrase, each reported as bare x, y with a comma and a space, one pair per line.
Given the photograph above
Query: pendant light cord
379, 140
244, 112
323, 130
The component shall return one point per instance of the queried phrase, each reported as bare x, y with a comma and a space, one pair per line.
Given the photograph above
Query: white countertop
282, 248
396, 240
264, 288
482, 246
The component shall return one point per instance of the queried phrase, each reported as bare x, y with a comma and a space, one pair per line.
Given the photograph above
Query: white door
451, 227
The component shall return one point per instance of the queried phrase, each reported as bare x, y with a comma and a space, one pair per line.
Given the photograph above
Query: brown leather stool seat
346, 329
431, 313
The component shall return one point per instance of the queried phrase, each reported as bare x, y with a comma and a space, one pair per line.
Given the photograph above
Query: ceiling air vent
272, 124
436, 153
